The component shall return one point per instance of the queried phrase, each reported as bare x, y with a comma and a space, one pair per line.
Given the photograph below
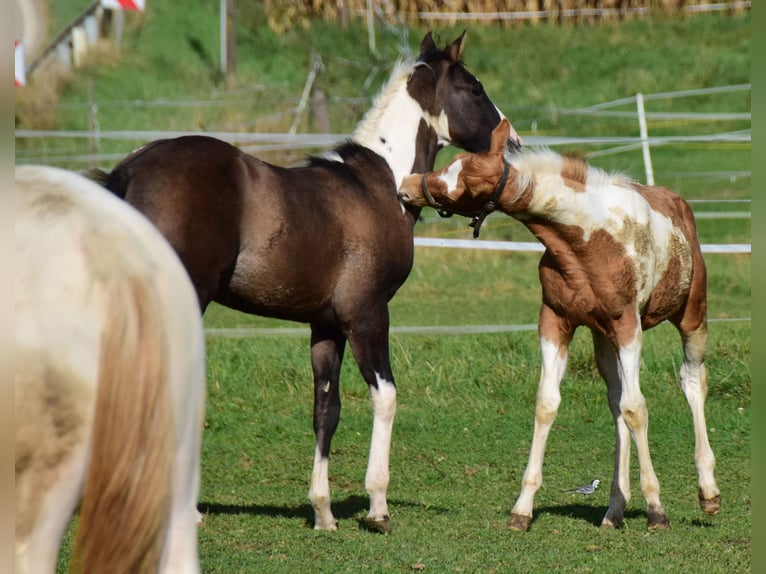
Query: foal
620, 258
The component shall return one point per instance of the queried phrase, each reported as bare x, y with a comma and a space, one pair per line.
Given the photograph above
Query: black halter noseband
477, 217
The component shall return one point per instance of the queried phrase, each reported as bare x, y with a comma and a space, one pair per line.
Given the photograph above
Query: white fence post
644, 139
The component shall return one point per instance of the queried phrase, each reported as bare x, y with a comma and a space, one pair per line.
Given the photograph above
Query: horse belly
285, 286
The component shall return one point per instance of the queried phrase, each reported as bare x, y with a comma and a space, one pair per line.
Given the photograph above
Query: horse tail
105, 179
126, 500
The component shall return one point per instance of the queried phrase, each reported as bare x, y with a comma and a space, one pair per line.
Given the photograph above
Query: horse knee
634, 414
546, 409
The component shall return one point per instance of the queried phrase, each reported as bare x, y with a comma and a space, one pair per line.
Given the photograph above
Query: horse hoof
657, 522
711, 506
609, 524
330, 526
382, 526
519, 522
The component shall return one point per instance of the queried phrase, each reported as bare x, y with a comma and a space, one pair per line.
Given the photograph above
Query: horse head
454, 101
467, 183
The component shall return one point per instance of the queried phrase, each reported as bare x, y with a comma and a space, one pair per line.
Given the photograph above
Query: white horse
620, 258
109, 382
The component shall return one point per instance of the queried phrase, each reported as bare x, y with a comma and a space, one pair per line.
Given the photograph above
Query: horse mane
128, 487
534, 162
401, 72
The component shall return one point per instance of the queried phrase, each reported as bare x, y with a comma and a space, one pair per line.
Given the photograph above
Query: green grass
461, 441
466, 402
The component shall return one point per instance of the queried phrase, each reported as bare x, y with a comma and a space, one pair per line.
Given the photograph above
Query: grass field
465, 414
460, 444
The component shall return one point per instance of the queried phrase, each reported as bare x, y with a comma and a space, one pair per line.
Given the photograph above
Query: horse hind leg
694, 384
51, 452
327, 348
37, 551
636, 417
383, 396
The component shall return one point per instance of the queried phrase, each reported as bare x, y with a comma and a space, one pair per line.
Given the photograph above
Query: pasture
461, 440
465, 397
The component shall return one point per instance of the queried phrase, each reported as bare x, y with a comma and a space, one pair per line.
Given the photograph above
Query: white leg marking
694, 385
546, 407
376, 481
635, 414
319, 494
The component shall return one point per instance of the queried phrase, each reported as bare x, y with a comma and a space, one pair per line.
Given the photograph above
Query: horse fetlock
323, 517
613, 518
611, 523
325, 524
710, 505
519, 522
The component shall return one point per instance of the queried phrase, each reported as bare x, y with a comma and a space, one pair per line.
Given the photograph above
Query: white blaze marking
450, 177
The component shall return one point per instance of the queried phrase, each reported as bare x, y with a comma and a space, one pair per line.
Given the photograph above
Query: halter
477, 217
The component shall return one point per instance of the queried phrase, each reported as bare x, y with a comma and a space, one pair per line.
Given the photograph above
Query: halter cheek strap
440, 209
478, 217
491, 205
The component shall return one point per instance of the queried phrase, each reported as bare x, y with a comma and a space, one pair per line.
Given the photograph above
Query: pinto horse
327, 243
109, 383
619, 258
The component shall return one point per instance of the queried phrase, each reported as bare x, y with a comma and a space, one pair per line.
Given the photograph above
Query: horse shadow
586, 512
352, 507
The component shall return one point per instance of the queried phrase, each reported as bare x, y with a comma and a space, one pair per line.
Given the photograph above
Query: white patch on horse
390, 127
376, 482
331, 156
440, 125
319, 493
450, 177
611, 204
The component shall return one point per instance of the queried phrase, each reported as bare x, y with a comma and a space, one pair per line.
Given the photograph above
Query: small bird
586, 489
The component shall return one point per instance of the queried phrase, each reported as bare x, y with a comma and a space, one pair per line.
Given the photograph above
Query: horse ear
427, 45
455, 50
500, 136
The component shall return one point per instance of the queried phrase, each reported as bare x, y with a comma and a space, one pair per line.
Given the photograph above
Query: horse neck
545, 203
397, 129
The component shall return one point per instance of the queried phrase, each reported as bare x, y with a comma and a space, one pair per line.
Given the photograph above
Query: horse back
191, 188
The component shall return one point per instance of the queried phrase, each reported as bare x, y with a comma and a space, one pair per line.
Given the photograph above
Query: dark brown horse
327, 243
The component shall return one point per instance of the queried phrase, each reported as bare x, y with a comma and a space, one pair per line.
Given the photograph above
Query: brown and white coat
620, 258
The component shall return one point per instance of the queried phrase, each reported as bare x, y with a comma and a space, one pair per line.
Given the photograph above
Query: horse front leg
609, 368
369, 343
555, 336
694, 385
327, 348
